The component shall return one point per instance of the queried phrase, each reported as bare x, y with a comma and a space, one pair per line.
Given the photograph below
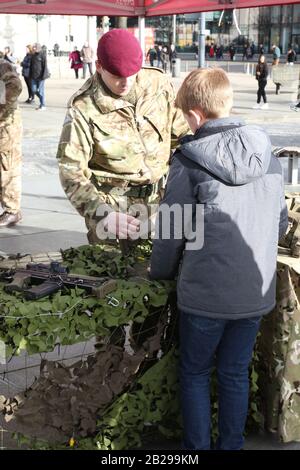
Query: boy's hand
121, 225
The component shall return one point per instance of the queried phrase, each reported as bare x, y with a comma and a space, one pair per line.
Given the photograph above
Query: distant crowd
161, 56
34, 71
214, 50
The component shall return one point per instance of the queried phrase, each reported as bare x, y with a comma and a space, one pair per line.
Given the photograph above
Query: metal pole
201, 41
142, 35
88, 29
174, 30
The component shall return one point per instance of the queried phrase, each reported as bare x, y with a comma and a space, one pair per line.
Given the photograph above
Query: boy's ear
197, 115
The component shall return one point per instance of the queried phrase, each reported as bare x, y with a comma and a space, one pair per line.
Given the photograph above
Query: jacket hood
232, 151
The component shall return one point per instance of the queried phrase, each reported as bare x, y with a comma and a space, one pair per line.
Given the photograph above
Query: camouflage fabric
109, 140
290, 244
279, 349
10, 139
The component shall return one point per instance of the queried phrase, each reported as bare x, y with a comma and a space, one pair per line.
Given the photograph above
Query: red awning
127, 7
169, 7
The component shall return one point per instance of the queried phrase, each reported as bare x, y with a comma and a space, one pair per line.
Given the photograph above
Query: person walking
232, 51
159, 56
9, 57
276, 58
25, 64
261, 76
87, 55
165, 59
76, 62
151, 55
226, 185
10, 145
38, 74
291, 56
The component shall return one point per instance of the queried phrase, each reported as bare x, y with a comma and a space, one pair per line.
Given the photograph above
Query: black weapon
46, 279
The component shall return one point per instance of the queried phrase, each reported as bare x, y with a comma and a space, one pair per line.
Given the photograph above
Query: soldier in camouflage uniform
10, 145
117, 137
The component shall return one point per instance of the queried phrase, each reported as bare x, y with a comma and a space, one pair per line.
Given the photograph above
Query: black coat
38, 67
263, 69
26, 65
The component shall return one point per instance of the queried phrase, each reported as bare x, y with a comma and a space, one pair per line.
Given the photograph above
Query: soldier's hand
122, 225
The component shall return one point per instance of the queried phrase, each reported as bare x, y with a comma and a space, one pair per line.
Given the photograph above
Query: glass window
286, 13
296, 13
275, 38
275, 15
296, 28
285, 38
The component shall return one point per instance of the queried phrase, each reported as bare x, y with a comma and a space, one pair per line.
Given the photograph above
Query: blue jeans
90, 66
228, 345
38, 89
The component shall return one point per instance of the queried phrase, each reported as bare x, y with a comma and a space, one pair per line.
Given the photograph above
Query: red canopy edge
129, 7
171, 7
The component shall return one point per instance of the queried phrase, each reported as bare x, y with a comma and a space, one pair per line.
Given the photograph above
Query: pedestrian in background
9, 57
276, 58
165, 59
261, 76
173, 53
76, 62
291, 56
87, 55
159, 56
232, 52
38, 74
151, 55
25, 64
10, 145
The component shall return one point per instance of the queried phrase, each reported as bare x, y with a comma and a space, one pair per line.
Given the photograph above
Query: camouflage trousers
11, 162
143, 208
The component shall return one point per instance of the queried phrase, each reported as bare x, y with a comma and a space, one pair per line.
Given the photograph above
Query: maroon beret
120, 53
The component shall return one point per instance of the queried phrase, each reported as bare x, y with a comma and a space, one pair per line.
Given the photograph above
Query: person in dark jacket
38, 74
291, 56
25, 64
217, 229
261, 76
232, 52
152, 55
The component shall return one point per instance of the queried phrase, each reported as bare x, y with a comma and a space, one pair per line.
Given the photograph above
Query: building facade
262, 25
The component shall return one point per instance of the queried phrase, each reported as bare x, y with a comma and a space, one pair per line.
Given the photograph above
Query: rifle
50, 278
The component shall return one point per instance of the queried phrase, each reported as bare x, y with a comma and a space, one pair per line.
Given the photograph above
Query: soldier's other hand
122, 225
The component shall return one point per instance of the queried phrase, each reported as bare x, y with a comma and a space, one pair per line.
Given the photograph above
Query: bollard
176, 64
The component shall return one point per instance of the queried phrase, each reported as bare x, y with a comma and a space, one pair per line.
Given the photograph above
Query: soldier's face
118, 85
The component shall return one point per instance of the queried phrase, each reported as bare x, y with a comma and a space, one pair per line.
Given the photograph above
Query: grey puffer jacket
227, 167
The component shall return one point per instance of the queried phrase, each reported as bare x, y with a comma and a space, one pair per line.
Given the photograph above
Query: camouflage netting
128, 386
279, 342
134, 326
279, 348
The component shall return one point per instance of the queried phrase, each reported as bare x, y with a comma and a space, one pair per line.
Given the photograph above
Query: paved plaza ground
50, 222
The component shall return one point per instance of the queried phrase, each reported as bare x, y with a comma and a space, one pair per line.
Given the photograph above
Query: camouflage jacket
109, 140
10, 89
